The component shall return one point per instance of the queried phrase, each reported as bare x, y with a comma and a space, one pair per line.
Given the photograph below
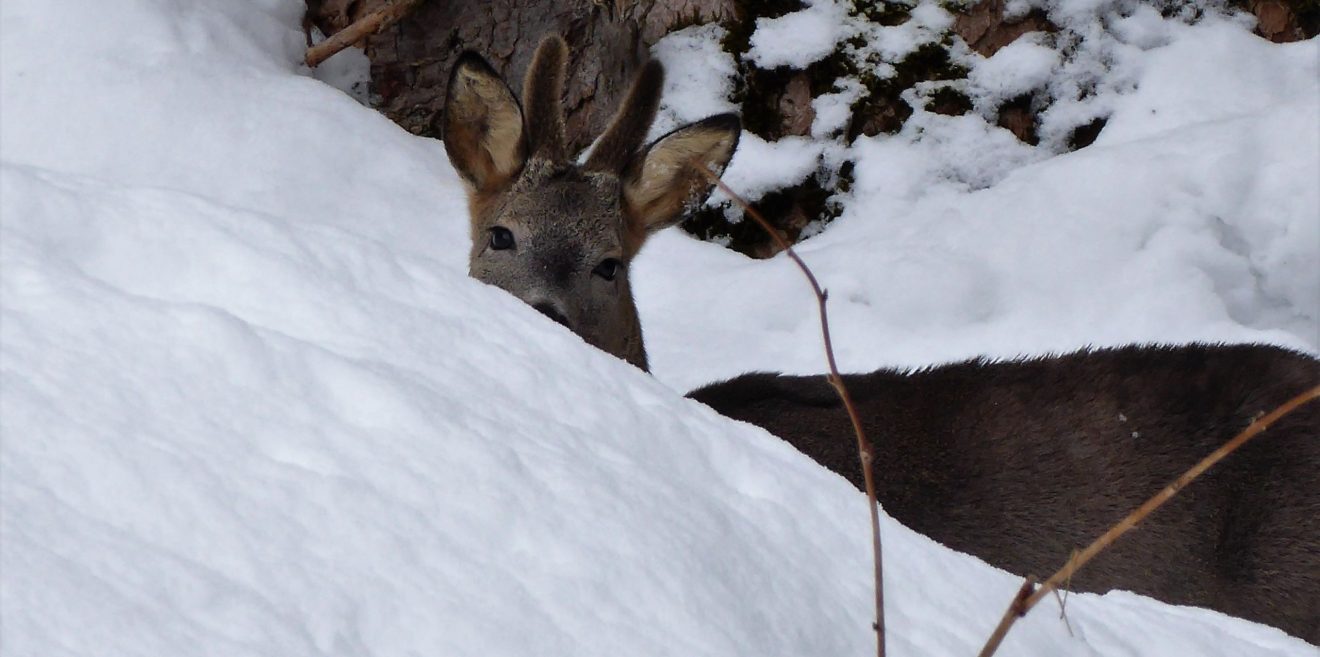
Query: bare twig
359, 29
1020, 608
864, 450
1063, 609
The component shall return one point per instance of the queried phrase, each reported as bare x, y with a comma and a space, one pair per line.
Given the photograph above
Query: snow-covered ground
252, 405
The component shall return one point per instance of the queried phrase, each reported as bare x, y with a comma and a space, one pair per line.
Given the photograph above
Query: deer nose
550, 311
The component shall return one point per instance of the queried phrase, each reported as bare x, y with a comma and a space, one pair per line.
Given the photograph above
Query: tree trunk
608, 41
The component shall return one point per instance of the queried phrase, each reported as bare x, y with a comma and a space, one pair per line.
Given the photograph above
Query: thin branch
864, 449
1018, 607
387, 15
1063, 609
1080, 559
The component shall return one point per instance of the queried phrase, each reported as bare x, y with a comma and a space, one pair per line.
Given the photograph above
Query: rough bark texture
331, 16
660, 17
356, 33
608, 41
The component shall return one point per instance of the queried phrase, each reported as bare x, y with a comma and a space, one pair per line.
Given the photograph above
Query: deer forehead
558, 208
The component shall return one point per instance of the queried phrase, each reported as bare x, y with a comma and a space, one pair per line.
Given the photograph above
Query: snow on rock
1191, 218
834, 110
759, 166
252, 405
888, 44
1016, 69
698, 77
799, 38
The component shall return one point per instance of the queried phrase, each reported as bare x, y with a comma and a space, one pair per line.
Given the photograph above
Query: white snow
1015, 69
698, 77
833, 110
888, 44
251, 404
1224, 73
760, 166
799, 38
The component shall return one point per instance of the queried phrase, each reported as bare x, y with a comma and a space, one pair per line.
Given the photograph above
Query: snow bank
252, 405
1194, 217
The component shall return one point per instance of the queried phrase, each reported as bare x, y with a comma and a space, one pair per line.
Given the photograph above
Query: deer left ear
660, 184
483, 125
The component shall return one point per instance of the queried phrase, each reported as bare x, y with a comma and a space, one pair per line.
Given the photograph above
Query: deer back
1021, 462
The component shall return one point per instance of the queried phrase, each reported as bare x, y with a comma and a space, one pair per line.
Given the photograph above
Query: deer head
559, 235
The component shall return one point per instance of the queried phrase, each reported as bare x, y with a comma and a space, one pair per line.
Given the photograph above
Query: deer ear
542, 89
660, 183
483, 125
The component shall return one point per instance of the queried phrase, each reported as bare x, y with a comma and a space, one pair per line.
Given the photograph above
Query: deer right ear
483, 125
660, 184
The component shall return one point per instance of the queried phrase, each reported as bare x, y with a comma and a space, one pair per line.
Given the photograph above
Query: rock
1017, 117
985, 29
1276, 21
795, 110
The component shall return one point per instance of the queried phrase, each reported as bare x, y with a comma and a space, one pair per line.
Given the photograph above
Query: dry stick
1020, 607
359, 29
863, 445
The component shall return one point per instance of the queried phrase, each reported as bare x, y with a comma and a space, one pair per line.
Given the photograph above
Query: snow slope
1195, 216
252, 405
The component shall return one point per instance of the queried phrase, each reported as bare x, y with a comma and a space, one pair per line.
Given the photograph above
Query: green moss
1306, 13
760, 100
843, 184
884, 12
789, 210
738, 33
1085, 135
958, 6
1308, 17
930, 62
1018, 115
949, 101
882, 108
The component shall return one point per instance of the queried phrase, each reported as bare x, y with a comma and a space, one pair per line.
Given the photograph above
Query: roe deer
1015, 462
558, 235
1021, 462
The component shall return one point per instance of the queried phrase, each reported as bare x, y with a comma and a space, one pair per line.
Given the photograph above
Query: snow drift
253, 406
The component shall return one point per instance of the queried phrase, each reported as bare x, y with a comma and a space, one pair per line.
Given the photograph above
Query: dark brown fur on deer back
1021, 462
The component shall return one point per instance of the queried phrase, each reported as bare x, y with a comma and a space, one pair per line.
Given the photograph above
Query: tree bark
608, 40
357, 31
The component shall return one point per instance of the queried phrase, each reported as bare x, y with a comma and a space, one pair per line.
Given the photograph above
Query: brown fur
618, 145
484, 133
661, 186
566, 224
541, 89
1020, 462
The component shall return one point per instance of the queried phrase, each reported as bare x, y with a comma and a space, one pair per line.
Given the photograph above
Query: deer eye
607, 269
501, 238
